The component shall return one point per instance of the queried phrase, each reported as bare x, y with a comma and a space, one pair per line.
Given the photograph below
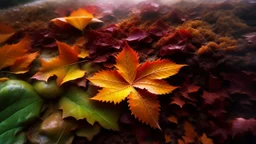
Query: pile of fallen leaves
144, 73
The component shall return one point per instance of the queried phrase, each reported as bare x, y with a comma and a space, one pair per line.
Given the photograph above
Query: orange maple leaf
21, 65
63, 66
139, 83
205, 139
79, 19
78, 47
10, 53
191, 135
5, 32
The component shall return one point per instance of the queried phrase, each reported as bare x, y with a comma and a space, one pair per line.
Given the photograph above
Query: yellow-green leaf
76, 103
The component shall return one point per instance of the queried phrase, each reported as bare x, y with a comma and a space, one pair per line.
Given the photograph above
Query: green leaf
20, 104
76, 103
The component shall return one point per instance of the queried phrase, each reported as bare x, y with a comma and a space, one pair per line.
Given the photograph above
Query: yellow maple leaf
139, 83
79, 19
63, 66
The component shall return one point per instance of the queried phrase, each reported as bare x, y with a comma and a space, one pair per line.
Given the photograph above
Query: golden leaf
138, 83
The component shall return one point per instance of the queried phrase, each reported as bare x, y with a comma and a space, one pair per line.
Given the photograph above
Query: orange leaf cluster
140, 83
16, 56
63, 66
191, 136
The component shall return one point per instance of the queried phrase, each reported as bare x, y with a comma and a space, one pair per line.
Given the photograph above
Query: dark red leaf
176, 99
138, 35
214, 83
158, 29
241, 126
209, 98
101, 42
242, 83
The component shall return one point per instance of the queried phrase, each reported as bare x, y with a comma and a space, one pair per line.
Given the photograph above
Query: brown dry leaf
190, 133
89, 132
167, 138
180, 141
5, 32
173, 119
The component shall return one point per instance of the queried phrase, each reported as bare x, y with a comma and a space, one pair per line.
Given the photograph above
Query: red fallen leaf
110, 28
220, 132
214, 83
114, 30
177, 100
187, 89
142, 134
241, 82
158, 29
102, 42
138, 35
241, 126
43, 38
218, 109
175, 43
217, 112
184, 33
210, 98
172, 49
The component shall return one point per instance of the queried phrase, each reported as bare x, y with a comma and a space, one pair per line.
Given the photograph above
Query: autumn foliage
153, 73
138, 83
